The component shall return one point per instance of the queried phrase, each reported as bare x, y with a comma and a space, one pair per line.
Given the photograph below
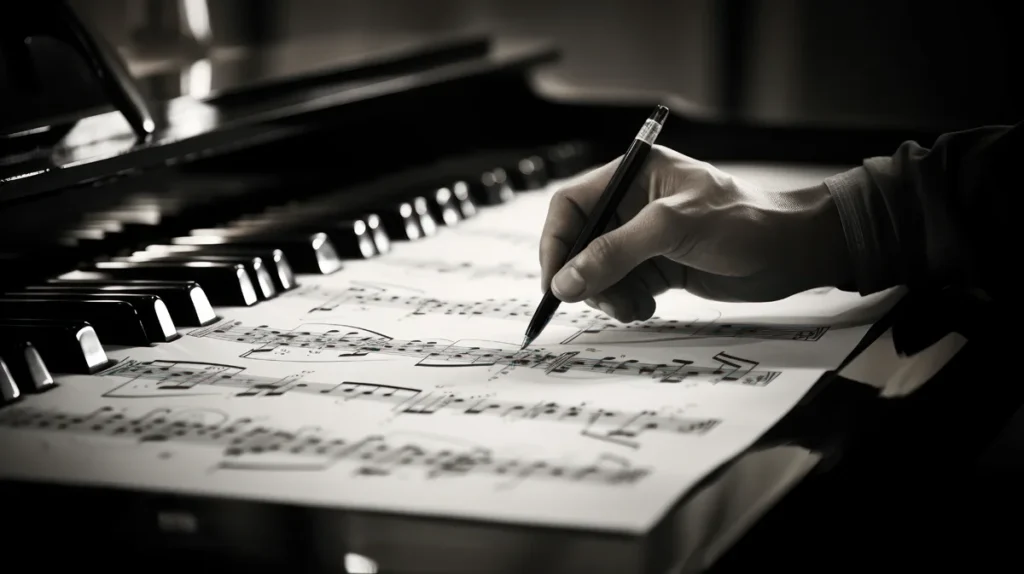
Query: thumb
610, 257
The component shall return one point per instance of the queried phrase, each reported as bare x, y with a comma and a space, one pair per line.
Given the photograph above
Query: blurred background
898, 63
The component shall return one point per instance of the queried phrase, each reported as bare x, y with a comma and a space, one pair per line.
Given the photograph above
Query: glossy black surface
840, 435
103, 145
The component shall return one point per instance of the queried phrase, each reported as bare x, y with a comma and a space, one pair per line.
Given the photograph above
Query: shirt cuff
864, 219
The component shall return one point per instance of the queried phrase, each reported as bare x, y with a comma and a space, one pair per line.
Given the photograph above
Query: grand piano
336, 161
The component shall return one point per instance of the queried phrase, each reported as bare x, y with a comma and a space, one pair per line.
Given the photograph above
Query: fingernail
568, 283
608, 309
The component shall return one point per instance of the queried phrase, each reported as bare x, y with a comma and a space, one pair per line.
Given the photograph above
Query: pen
616, 189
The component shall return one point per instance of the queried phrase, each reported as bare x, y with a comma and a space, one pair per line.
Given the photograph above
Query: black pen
620, 183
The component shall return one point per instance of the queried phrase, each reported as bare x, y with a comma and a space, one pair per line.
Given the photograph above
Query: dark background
900, 63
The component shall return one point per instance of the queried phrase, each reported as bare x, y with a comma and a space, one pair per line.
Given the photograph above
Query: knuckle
657, 162
671, 223
662, 212
560, 196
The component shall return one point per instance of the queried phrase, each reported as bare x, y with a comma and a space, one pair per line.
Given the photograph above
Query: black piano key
422, 209
67, 346
313, 216
528, 173
381, 239
443, 206
491, 188
27, 366
116, 322
186, 300
463, 200
259, 275
351, 237
9, 390
307, 252
226, 284
153, 312
274, 260
400, 222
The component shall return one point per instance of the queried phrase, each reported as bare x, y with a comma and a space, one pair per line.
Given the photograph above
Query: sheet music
397, 384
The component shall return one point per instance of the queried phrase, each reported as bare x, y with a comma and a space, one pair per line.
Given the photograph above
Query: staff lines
246, 444
333, 343
169, 379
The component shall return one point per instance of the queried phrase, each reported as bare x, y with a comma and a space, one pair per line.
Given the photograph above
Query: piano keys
65, 345
225, 283
138, 289
26, 368
175, 275
274, 260
445, 207
186, 301
9, 391
350, 239
491, 187
150, 309
116, 322
306, 252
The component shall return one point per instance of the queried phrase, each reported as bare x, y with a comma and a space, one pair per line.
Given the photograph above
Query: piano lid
227, 71
239, 96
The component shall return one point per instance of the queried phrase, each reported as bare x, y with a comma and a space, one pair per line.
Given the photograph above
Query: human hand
688, 225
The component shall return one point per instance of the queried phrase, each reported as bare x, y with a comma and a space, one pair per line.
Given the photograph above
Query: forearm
932, 218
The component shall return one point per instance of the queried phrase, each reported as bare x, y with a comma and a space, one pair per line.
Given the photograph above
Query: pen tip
526, 343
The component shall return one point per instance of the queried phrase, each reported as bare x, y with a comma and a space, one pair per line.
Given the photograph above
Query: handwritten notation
245, 444
588, 321
167, 379
338, 341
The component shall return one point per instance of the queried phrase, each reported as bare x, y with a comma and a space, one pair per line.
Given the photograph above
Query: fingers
613, 255
567, 215
626, 301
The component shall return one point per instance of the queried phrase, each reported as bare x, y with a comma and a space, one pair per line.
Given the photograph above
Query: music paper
397, 384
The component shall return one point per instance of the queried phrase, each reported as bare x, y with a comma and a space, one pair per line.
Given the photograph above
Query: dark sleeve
934, 218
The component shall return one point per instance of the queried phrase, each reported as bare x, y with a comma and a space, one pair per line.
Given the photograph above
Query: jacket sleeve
935, 218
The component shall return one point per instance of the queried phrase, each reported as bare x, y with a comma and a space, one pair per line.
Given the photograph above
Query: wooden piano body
418, 118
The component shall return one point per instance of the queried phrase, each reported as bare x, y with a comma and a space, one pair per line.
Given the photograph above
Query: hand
687, 225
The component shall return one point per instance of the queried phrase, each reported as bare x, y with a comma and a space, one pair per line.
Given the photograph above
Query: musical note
246, 444
339, 341
591, 323
169, 379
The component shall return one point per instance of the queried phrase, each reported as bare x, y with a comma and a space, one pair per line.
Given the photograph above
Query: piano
106, 220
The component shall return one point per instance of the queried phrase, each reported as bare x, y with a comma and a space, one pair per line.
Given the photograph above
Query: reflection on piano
108, 241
